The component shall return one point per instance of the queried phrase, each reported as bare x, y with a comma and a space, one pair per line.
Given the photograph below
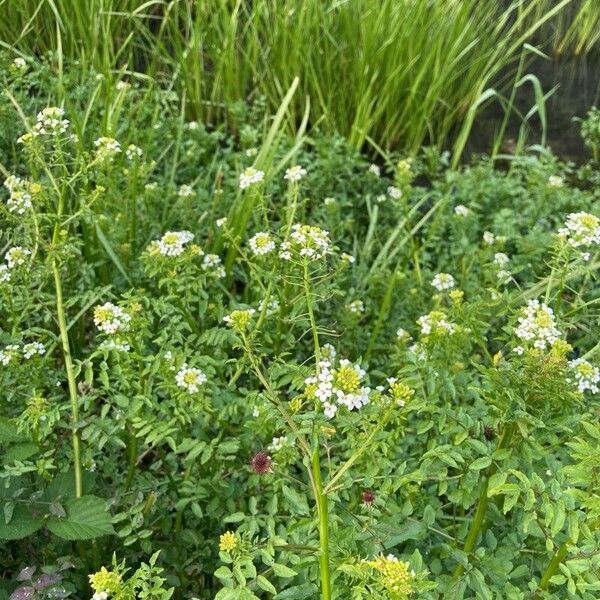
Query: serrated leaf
22, 524
87, 518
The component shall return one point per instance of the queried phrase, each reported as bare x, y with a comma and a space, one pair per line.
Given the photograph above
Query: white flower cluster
537, 326
436, 323
375, 170
20, 194
402, 335
261, 243
190, 379
356, 307
115, 344
173, 243
306, 241
338, 386
250, 176
107, 148
581, 229
489, 238
394, 192
556, 181
18, 65
461, 210
443, 281
587, 376
14, 257
295, 173
50, 121
212, 262
501, 259
278, 443
185, 191
13, 352
110, 318
133, 152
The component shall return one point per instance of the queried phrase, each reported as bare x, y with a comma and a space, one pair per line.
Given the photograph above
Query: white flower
133, 152
20, 194
295, 173
116, 345
503, 276
356, 307
5, 274
250, 152
381, 198
107, 148
501, 259
305, 241
443, 281
50, 121
402, 335
33, 348
100, 595
436, 323
212, 262
261, 243
192, 125
150, 187
250, 176
338, 386
110, 318
537, 325
394, 192
173, 243
329, 201
556, 181
519, 350
190, 379
220, 222
375, 170
461, 210
10, 353
586, 375
278, 443
19, 64
16, 256
581, 229
489, 238
185, 191
255, 412
348, 258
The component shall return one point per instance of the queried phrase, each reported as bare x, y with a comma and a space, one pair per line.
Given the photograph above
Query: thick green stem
558, 557
323, 512
64, 337
132, 451
482, 503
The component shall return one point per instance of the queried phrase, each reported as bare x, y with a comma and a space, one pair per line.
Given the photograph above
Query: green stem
558, 557
323, 511
482, 504
132, 448
311, 315
64, 337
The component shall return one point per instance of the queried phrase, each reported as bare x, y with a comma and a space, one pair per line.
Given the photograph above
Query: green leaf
298, 592
21, 524
235, 517
9, 433
283, 571
87, 518
429, 515
481, 463
265, 585
297, 502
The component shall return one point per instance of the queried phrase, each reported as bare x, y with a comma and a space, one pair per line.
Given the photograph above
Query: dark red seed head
368, 497
261, 463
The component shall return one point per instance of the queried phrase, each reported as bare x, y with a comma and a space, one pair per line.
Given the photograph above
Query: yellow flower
396, 575
105, 581
228, 541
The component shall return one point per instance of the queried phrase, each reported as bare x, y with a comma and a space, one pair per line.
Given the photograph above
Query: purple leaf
45, 580
22, 593
26, 573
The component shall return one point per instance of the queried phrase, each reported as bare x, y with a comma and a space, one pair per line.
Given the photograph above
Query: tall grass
400, 73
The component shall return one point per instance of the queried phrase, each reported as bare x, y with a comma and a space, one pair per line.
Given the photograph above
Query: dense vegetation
259, 346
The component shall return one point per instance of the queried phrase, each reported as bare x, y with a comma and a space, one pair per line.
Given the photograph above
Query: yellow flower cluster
396, 575
105, 581
400, 392
228, 542
347, 378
